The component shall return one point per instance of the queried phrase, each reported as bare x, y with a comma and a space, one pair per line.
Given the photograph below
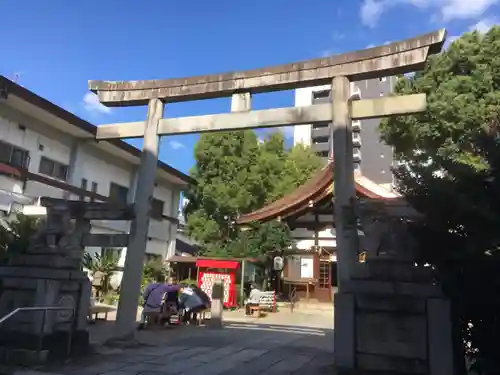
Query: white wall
93, 164
53, 146
304, 239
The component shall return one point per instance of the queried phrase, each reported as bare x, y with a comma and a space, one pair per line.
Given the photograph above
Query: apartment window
13, 155
321, 94
93, 189
157, 208
83, 186
321, 125
53, 168
117, 193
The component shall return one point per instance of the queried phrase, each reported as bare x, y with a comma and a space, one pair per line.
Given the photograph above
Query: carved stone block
391, 334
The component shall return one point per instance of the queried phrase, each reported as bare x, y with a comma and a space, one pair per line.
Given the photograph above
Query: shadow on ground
245, 348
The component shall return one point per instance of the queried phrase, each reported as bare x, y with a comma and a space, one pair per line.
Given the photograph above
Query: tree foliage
449, 170
102, 267
237, 173
15, 235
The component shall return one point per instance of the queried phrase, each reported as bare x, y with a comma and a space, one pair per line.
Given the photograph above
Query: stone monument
217, 306
49, 274
396, 319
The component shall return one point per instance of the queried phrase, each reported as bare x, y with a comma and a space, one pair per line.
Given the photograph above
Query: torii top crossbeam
391, 59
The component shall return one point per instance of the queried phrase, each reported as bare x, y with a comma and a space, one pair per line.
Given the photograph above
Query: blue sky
54, 47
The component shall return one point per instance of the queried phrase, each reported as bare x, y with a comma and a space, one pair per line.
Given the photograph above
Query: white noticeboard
306, 268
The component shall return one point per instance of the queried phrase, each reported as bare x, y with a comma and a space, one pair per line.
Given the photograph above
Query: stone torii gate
338, 70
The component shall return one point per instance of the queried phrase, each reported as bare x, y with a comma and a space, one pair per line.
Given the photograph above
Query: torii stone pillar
134, 261
343, 177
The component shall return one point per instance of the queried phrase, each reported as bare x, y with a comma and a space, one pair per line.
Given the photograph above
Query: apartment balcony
320, 132
322, 136
356, 125
356, 155
356, 139
321, 147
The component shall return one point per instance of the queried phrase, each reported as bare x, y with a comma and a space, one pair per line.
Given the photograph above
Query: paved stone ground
281, 343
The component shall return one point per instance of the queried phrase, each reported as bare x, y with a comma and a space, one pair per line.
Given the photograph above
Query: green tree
450, 171
259, 240
15, 235
237, 173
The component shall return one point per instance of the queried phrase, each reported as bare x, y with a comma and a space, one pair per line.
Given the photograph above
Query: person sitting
171, 305
253, 299
190, 302
153, 296
204, 298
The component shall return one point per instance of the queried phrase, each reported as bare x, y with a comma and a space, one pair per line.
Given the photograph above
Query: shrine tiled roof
317, 188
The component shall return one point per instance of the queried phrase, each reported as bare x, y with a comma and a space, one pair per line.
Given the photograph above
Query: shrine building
311, 263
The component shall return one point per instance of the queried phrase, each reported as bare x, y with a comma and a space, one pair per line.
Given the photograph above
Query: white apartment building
372, 158
47, 151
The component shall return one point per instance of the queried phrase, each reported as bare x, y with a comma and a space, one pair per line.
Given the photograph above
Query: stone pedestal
217, 306
48, 274
390, 318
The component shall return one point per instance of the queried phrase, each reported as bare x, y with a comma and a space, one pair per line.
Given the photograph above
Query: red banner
206, 281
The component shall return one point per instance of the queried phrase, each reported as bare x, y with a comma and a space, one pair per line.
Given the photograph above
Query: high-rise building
372, 157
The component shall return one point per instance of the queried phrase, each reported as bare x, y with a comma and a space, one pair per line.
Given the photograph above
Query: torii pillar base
394, 321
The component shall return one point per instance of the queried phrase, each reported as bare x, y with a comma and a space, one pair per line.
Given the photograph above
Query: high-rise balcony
356, 139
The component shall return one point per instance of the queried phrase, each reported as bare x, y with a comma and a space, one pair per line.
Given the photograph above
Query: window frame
56, 166
156, 212
12, 149
121, 188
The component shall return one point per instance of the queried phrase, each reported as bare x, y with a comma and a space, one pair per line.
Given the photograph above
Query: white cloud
176, 145
448, 10
484, 25
463, 9
370, 12
91, 104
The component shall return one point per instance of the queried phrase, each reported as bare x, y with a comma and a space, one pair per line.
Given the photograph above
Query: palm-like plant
102, 265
